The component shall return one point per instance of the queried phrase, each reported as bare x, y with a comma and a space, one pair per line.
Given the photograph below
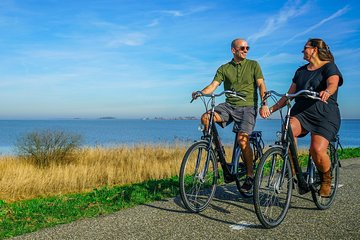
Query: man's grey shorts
243, 117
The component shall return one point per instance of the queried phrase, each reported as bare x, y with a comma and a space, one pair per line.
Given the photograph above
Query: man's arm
211, 87
208, 89
264, 109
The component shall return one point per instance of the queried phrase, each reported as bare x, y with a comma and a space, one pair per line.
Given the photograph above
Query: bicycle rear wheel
272, 188
197, 184
323, 203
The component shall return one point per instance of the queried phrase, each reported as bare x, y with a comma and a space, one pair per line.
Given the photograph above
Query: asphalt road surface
229, 217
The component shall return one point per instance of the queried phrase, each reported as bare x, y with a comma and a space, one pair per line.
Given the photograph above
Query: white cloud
290, 10
338, 13
179, 13
281, 58
174, 13
106, 25
154, 23
128, 39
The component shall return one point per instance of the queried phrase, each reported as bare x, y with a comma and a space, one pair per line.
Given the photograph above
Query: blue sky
133, 59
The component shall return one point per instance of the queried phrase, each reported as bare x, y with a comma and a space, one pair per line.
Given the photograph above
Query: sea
131, 132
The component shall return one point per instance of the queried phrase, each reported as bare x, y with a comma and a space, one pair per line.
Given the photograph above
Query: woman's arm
282, 101
332, 86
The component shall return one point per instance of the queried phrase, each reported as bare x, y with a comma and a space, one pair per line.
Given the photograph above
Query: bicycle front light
201, 127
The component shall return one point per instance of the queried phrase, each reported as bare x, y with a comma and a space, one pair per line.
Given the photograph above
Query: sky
134, 59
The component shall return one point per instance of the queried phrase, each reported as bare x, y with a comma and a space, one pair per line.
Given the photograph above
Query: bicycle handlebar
305, 93
214, 95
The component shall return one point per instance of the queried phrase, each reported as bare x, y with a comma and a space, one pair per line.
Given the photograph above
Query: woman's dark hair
324, 50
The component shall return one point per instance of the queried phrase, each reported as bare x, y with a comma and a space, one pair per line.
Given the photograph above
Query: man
241, 75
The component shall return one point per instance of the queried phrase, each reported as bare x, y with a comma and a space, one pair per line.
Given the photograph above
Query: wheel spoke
198, 188
272, 190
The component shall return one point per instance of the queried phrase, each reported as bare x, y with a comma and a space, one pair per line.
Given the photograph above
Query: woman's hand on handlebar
324, 95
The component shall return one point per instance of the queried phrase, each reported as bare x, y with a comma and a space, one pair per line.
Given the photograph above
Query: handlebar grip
196, 95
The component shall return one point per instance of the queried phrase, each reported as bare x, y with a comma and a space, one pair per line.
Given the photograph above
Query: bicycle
199, 169
274, 179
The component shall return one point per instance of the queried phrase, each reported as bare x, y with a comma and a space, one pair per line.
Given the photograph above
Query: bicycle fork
202, 174
277, 179
310, 178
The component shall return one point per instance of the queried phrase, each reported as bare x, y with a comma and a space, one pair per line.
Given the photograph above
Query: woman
321, 118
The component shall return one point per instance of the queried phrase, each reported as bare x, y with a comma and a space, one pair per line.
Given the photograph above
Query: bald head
238, 42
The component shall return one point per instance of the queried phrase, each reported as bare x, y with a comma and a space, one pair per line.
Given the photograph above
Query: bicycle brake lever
237, 96
317, 98
242, 98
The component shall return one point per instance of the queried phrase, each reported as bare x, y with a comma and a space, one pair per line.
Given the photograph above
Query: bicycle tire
196, 188
324, 203
271, 195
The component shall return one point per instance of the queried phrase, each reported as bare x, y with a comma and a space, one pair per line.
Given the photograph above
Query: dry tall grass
94, 167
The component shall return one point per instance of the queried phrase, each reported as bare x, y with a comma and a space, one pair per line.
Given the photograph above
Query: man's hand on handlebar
195, 94
264, 111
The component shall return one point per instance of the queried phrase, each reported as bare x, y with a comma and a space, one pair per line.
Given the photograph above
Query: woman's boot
325, 188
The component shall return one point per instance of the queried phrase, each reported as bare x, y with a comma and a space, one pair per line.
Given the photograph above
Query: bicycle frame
288, 145
211, 135
199, 169
219, 149
255, 140
273, 191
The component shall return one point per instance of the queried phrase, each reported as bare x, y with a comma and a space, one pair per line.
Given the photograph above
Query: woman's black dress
316, 116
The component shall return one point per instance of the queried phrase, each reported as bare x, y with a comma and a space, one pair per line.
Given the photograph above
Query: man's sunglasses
242, 48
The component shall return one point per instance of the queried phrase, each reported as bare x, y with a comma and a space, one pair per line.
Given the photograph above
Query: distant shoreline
142, 118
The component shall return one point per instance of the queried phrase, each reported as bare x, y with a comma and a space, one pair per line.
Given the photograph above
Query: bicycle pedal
302, 190
294, 184
229, 179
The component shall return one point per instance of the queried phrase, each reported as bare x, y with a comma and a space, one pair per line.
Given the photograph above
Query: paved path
229, 217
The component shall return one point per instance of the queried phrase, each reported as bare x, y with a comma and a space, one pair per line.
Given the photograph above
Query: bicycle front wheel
198, 177
323, 203
272, 188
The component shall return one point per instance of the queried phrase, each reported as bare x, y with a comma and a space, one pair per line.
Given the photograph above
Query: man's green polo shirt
240, 77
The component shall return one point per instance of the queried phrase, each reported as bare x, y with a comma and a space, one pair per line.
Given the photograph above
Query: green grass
27, 216
31, 215
349, 153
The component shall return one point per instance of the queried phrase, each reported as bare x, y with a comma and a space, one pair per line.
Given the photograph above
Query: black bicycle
274, 179
199, 172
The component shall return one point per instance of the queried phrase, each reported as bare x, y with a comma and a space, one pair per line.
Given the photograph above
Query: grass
30, 215
94, 167
22, 213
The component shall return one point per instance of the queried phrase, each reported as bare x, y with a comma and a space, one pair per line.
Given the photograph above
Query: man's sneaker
248, 184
